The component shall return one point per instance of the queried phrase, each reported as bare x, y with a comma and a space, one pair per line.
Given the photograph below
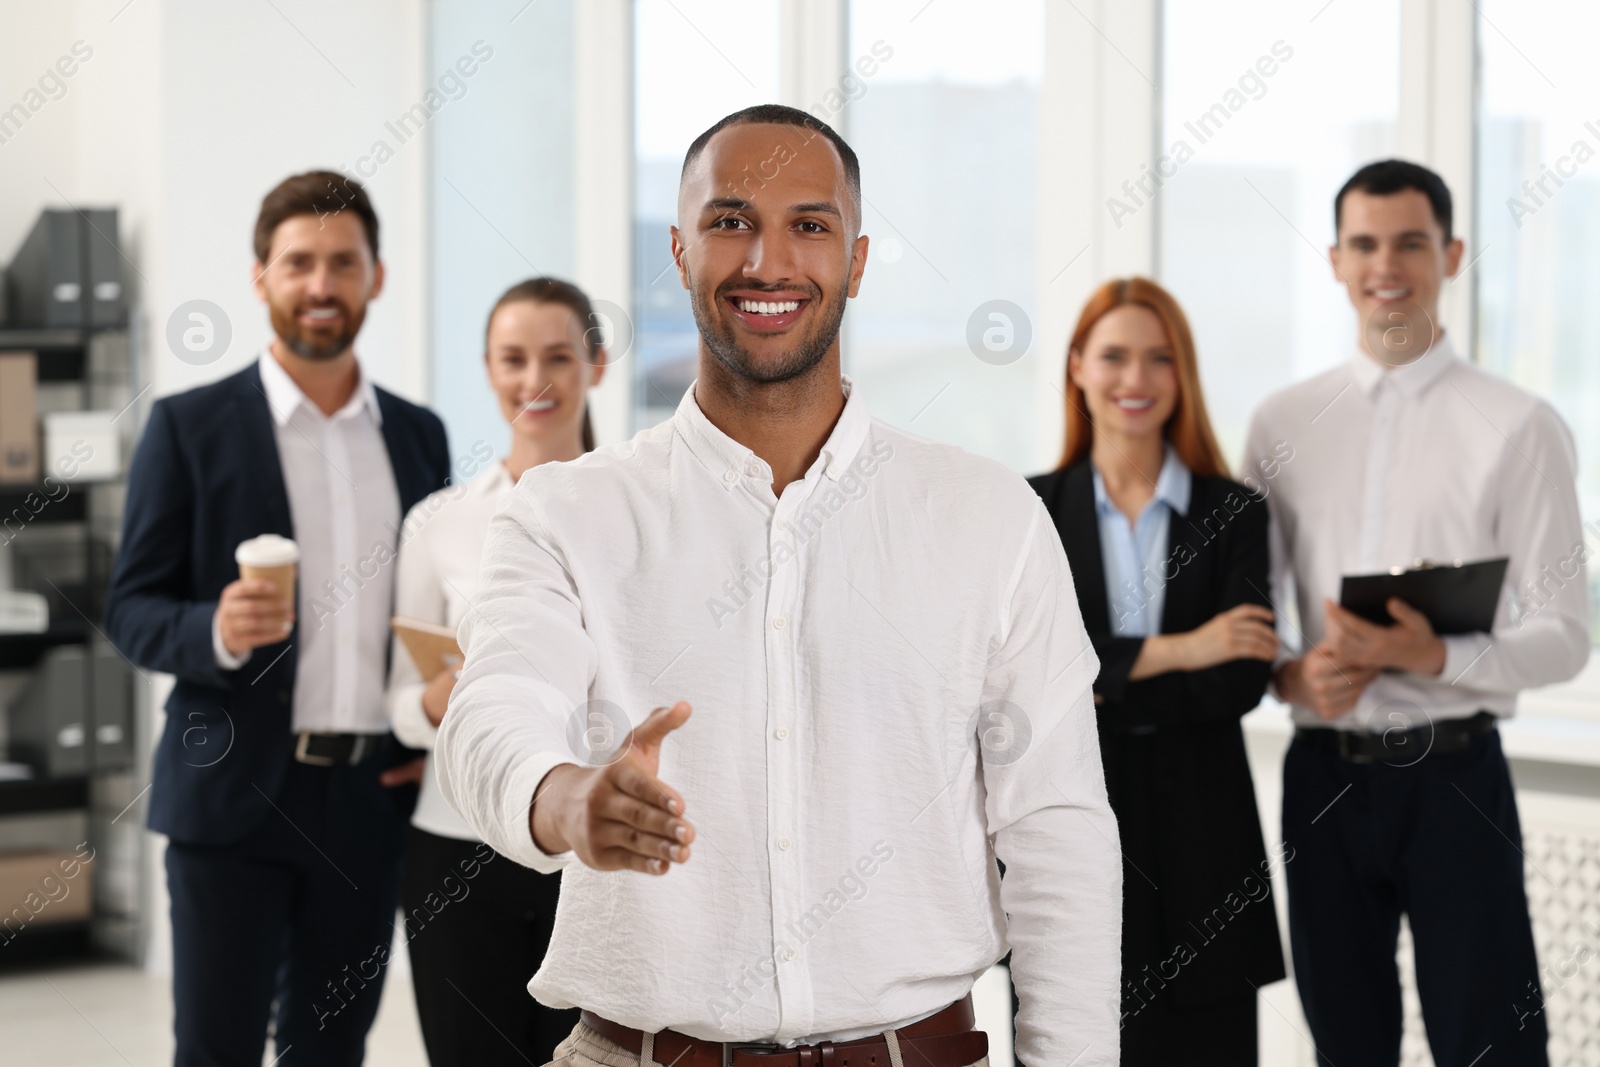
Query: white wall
183, 116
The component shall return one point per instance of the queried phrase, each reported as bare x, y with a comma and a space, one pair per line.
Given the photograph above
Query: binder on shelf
1457, 598
48, 273
55, 730
103, 294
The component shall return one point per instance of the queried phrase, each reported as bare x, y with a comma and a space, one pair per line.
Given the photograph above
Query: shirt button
781, 734
780, 524
779, 623
730, 476
753, 468
784, 844
788, 953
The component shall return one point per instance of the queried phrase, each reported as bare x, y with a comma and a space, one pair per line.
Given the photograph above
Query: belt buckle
730, 1048
1347, 753
303, 754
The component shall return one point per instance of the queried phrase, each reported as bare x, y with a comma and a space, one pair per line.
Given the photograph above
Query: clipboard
1457, 598
433, 648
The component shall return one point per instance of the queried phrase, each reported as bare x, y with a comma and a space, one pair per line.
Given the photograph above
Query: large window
501, 180
1264, 115
946, 126
694, 62
1538, 219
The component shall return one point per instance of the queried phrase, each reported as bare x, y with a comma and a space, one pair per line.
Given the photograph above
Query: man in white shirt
269, 779
1397, 796
889, 678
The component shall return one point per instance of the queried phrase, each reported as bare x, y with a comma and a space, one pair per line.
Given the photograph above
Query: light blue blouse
1134, 557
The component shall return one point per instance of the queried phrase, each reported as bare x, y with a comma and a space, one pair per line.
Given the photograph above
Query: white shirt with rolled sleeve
438, 567
891, 686
1367, 468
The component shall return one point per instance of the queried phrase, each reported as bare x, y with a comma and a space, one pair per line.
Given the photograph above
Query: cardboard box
19, 418
44, 887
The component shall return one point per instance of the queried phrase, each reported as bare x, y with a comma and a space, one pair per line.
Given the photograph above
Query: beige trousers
585, 1048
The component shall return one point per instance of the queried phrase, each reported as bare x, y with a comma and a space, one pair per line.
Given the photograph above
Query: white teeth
323, 313
1136, 405
1391, 294
765, 307
539, 405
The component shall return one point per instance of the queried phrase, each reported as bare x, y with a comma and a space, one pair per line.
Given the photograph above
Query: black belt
326, 750
1397, 746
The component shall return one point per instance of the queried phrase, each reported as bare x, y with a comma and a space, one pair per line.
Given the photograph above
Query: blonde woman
478, 924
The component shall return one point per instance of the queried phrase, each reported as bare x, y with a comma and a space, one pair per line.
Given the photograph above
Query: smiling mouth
1127, 403
766, 316
537, 407
1390, 294
322, 316
767, 307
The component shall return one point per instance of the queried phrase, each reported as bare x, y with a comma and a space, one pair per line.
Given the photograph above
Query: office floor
113, 1015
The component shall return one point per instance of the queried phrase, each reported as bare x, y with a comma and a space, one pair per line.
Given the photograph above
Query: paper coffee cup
270, 557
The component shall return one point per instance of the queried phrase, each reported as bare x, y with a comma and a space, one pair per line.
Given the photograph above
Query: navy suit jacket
205, 477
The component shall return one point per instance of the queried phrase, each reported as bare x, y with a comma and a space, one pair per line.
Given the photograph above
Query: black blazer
1202, 811
205, 477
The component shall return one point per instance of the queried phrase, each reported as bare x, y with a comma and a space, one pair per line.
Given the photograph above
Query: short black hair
319, 193
1389, 176
780, 115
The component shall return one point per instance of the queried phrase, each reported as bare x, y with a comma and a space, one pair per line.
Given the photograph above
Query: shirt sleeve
1260, 459
225, 659
1541, 529
418, 594
529, 665
1047, 812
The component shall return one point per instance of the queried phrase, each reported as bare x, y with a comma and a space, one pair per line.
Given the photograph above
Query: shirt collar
1412, 379
284, 396
1174, 485
492, 479
728, 460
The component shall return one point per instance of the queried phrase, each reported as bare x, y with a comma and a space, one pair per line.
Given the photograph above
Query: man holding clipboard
1397, 797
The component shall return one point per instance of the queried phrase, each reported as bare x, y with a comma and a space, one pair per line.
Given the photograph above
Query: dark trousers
290, 926
1219, 1034
1439, 840
477, 927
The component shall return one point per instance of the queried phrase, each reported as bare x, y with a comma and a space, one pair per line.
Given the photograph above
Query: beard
808, 349
311, 343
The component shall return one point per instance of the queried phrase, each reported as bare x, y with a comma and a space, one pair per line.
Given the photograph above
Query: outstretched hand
620, 816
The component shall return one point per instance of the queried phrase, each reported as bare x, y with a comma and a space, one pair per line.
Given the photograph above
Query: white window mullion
1437, 128
603, 187
1099, 119
814, 35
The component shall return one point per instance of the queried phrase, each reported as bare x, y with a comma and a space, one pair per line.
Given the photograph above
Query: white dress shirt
845, 646
346, 511
438, 572
1434, 460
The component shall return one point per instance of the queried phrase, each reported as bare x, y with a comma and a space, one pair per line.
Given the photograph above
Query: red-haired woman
1169, 558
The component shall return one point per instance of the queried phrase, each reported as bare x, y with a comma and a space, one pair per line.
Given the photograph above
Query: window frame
1102, 65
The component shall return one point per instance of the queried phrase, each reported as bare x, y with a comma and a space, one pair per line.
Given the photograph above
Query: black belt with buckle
1400, 747
327, 750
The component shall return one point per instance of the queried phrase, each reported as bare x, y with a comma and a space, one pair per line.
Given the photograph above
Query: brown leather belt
945, 1039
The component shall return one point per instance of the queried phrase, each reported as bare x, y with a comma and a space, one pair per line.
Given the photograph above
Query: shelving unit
63, 551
